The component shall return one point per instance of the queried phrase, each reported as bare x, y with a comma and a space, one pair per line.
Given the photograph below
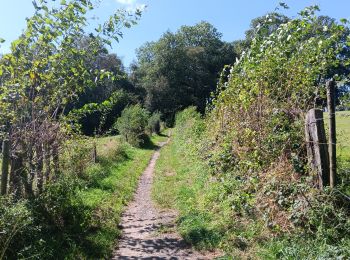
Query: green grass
78, 215
179, 184
205, 221
111, 184
162, 137
205, 204
343, 134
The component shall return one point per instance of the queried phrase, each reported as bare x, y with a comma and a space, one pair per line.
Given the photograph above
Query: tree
181, 68
92, 103
44, 72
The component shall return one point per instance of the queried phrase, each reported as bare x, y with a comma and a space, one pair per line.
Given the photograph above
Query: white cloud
126, 2
131, 5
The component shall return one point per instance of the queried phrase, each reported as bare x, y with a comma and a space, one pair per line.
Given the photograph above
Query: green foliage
78, 215
96, 118
255, 130
132, 124
50, 65
257, 115
274, 215
180, 69
100, 103
15, 220
153, 126
264, 26
76, 156
62, 217
55, 75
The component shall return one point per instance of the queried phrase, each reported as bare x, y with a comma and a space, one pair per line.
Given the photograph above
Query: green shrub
132, 124
154, 121
62, 216
223, 204
15, 221
77, 156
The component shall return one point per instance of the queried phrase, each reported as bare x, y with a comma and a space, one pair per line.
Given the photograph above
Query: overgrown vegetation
78, 215
240, 175
132, 124
225, 211
56, 201
237, 170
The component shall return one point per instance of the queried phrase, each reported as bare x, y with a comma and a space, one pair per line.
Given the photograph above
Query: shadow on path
143, 227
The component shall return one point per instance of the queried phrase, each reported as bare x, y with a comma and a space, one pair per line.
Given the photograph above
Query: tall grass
219, 211
77, 217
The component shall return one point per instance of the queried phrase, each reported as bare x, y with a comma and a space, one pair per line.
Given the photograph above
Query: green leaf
343, 20
284, 5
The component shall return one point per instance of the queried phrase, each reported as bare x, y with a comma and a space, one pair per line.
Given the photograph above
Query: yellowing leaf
32, 75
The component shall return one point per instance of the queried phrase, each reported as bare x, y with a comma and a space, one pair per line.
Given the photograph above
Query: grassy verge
111, 183
205, 220
77, 216
180, 184
213, 212
343, 134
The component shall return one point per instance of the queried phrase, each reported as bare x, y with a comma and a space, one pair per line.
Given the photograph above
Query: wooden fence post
94, 153
332, 132
5, 165
316, 145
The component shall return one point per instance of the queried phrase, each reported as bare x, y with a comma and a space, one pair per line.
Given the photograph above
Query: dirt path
141, 225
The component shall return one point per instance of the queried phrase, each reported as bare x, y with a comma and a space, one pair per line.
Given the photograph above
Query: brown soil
148, 232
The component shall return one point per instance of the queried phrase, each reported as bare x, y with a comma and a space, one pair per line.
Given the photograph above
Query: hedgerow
261, 192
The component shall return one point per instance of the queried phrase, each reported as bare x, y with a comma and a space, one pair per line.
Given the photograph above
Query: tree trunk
15, 177
5, 165
28, 177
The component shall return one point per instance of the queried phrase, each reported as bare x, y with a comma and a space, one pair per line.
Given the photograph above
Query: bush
132, 124
77, 156
153, 126
15, 219
62, 217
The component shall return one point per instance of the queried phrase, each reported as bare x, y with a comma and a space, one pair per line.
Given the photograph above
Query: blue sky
230, 17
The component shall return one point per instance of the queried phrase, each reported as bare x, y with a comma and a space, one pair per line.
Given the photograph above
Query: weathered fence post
39, 166
317, 146
5, 165
332, 132
94, 153
56, 159
16, 184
